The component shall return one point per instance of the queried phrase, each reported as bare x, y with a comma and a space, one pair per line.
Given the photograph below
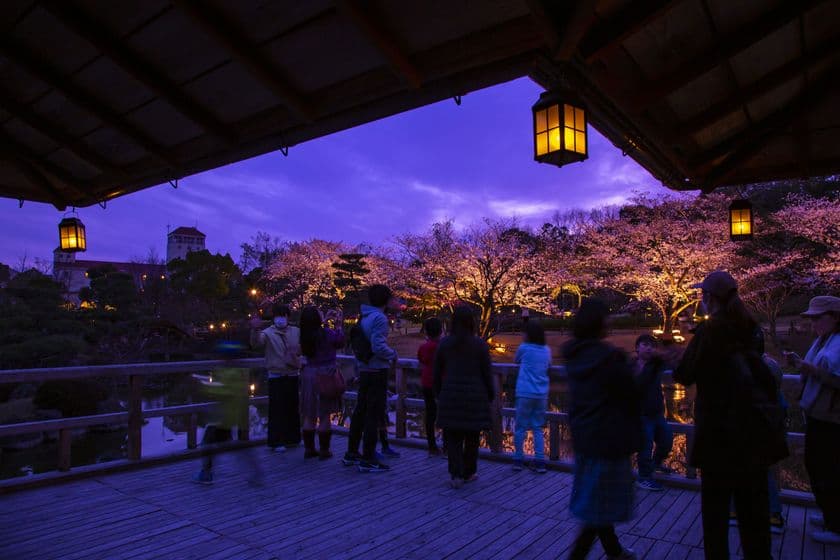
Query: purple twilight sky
368, 184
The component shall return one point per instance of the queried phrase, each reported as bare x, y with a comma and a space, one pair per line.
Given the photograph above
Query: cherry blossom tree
302, 273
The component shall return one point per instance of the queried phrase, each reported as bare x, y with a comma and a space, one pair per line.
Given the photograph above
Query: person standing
730, 447
534, 359
373, 383
605, 424
282, 360
820, 374
426, 356
318, 345
647, 373
464, 388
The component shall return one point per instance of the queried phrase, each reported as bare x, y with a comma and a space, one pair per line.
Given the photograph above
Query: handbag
331, 385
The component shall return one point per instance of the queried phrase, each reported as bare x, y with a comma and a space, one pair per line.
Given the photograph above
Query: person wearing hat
733, 457
820, 374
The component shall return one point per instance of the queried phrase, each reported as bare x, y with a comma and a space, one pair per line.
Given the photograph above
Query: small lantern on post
71, 234
559, 128
740, 220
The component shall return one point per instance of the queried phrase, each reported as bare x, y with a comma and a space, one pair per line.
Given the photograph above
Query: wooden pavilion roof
100, 98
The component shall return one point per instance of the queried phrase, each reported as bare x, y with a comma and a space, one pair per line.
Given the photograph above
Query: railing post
192, 431
135, 416
496, 416
244, 431
402, 416
554, 439
690, 472
64, 440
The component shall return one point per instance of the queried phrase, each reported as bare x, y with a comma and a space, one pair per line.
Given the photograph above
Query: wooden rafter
760, 87
728, 46
563, 38
83, 99
748, 143
240, 47
608, 35
14, 150
56, 135
113, 48
39, 181
379, 37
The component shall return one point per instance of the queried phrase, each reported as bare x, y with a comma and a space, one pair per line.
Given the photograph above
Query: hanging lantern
559, 128
71, 235
740, 220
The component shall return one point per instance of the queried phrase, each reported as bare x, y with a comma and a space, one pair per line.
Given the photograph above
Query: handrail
135, 415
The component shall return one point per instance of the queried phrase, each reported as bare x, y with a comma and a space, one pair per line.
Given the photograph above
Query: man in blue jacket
373, 382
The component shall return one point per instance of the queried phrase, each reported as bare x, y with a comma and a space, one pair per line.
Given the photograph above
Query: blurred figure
464, 388
820, 375
734, 444
534, 359
282, 360
318, 345
426, 356
228, 387
605, 423
647, 373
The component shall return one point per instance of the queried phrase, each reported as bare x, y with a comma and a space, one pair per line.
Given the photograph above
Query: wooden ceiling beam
95, 106
56, 135
113, 48
751, 141
563, 31
794, 170
758, 88
374, 31
608, 35
19, 152
728, 46
39, 181
247, 54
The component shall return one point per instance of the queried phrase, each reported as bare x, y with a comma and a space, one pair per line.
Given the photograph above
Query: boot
324, 444
309, 444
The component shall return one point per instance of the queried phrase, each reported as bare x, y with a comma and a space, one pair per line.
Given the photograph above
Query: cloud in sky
366, 184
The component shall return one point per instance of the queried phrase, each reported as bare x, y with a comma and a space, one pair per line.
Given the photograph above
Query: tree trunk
485, 325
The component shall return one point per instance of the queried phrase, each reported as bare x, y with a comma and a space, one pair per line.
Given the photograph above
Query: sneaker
456, 483
663, 469
733, 519
826, 537
648, 484
351, 459
539, 467
817, 519
390, 453
625, 554
203, 477
517, 465
777, 524
365, 466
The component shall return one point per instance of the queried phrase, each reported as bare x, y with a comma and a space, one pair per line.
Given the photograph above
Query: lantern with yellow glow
740, 220
559, 128
71, 235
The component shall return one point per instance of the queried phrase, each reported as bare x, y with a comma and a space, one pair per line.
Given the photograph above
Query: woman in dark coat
728, 447
605, 421
464, 388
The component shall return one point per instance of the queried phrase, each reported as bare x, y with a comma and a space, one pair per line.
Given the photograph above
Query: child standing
534, 357
426, 357
647, 373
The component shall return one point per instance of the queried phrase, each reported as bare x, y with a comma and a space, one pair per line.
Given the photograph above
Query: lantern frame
72, 236
569, 108
739, 206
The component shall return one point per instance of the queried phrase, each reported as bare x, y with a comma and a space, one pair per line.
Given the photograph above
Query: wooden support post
64, 441
135, 416
496, 436
402, 416
690, 472
192, 431
554, 440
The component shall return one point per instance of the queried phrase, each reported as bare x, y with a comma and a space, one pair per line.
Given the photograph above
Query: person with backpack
820, 375
282, 360
374, 359
426, 357
738, 423
534, 359
464, 388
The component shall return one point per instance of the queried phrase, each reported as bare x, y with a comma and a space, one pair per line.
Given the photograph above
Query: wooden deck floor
323, 510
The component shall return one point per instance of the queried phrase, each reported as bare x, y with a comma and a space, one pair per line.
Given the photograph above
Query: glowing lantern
71, 235
740, 220
559, 128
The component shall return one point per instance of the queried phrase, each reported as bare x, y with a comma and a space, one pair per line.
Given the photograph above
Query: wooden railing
134, 415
